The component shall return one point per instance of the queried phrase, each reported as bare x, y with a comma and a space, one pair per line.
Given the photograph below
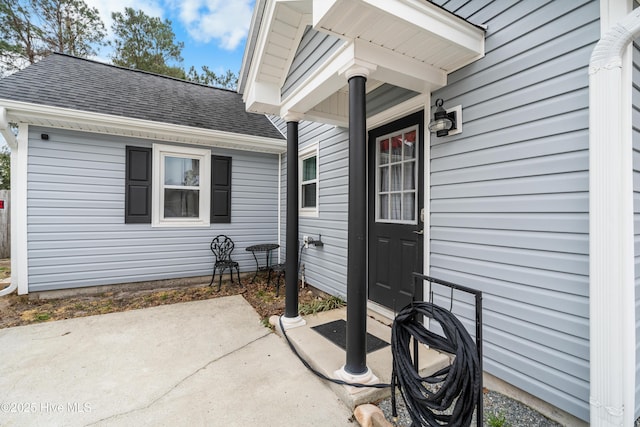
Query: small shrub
319, 305
42, 317
497, 420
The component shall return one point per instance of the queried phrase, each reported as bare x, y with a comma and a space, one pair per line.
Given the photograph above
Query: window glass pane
409, 176
396, 206
384, 206
384, 151
309, 195
410, 145
408, 208
181, 203
396, 148
384, 178
396, 177
309, 169
181, 171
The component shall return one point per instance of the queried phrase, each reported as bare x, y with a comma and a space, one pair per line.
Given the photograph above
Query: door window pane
408, 206
410, 145
384, 152
396, 207
396, 148
409, 182
384, 178
396, 178
384, 206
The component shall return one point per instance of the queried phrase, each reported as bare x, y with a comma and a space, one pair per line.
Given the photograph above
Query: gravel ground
514, 413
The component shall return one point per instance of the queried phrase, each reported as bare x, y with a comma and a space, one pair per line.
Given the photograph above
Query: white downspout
8, 136
611, 242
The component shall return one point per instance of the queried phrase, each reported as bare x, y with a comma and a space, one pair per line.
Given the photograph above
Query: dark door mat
336, 332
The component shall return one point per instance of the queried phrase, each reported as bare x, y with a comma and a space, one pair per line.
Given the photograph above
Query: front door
396, 216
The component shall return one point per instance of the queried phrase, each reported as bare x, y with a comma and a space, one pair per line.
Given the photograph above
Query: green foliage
32, 29
145, 43
229, 80
42, 317
497, 420
5, 169
319, 305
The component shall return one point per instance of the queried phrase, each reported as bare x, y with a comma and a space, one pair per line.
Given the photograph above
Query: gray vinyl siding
636, 204
385, 97
314, 49
326, 267
76, 231
509, 196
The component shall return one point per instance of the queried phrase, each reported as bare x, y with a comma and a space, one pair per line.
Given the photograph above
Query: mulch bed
17, 310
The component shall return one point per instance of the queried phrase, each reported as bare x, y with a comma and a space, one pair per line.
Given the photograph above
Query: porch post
356, 359
291, 317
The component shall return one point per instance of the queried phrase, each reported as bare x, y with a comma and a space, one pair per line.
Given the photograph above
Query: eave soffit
412, 44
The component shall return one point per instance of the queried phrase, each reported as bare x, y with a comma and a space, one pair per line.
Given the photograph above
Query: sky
213, 31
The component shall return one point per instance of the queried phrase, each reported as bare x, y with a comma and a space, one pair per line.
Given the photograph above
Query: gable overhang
65, 118
411, 44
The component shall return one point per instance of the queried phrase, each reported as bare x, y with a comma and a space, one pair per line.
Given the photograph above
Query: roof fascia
421, 13
132, 127
260, 96
254, 31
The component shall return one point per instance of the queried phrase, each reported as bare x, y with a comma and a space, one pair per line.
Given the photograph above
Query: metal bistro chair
222, 246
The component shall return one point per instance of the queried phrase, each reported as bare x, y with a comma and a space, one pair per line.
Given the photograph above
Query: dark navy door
396, 216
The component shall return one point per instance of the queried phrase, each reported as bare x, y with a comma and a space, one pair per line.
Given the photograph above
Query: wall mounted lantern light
444, 122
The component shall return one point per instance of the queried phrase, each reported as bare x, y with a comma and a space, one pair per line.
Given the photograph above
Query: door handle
419, 232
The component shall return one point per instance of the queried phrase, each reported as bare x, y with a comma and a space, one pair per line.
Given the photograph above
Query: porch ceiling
411, 44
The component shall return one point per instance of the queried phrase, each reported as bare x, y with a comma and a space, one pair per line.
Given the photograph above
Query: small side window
309, 194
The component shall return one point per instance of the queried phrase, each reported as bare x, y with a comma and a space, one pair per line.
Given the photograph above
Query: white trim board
65, 118
19, 242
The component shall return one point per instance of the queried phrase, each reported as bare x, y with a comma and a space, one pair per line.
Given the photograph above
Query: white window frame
312, 150
161, 151
414, 221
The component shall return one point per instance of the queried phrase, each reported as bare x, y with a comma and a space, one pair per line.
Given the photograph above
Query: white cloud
106, 7
226, 21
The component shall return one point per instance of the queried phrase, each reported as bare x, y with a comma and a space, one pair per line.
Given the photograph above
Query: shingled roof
80, 84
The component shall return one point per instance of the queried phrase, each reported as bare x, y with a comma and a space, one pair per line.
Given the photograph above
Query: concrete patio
326, 357
199, 363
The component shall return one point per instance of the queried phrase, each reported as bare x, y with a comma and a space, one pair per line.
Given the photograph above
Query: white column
611, 250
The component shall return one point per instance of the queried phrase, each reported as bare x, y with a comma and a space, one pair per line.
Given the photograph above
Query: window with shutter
176, 186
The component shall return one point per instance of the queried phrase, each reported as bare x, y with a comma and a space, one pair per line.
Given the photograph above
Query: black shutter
220, 189
137, 196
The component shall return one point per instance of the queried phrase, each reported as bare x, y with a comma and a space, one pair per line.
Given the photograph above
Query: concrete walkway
205, 363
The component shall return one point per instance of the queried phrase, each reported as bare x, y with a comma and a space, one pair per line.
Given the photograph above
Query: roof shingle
80, 84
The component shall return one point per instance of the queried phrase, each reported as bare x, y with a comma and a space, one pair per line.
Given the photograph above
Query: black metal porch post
291, 263
356, 362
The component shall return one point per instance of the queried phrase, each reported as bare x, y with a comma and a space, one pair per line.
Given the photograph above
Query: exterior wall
636, 204
326, 267
76, 231
314, 49
509, 196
